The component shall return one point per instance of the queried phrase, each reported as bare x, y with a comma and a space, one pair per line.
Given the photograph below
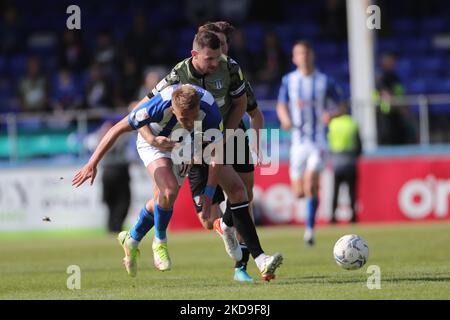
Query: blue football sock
311, 208
162, 218
145, 222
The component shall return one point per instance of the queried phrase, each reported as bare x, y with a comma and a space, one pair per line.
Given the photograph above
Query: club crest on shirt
300, 104
141, 115
218, 83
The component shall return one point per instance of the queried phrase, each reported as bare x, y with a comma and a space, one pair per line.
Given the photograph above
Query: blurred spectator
136, 41
395, 125
130, 80
105, 54
345, 147
273, 62
199, 11
234, 10
98, 89
11, 35
33, 88
151, 79
240, 53
66, 93
71, 52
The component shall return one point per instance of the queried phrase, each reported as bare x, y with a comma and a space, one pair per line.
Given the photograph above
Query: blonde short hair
186, 98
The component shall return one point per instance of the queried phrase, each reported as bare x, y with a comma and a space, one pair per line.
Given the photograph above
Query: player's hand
206, 203
88, 171
163, 143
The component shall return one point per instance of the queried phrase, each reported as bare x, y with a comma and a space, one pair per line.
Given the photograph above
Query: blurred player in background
224, 32
173, 108
307, 101
208, 68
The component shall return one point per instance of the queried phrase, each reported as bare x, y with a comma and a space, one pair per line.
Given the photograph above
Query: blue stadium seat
416, 86
345, 86
403, 67
5, 96
306, 30
285, 35
387, 45
3, 66
184, 43
433, 25
326, 49
439, 85
440, 109
254, 34
426, 66
404, 26
414, 45
18, 65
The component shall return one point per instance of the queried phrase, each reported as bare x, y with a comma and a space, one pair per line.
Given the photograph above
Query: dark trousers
116, 195
344, 175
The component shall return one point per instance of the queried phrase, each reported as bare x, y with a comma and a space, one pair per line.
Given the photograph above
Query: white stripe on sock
238, 207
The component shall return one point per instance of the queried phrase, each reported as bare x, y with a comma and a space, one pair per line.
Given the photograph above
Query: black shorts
198, 177
245, 167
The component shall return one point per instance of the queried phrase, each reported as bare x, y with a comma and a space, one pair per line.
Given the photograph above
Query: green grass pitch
414, 260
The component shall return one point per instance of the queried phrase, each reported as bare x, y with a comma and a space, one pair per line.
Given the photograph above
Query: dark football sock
245, 227
227, 217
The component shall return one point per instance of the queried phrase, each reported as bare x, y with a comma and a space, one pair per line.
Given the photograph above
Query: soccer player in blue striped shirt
175, 107
307, 101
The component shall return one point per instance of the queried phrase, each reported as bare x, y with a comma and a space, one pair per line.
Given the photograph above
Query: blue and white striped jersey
307, 98
157, 114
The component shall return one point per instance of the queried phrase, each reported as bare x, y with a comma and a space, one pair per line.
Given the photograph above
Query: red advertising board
389, 190
404, 189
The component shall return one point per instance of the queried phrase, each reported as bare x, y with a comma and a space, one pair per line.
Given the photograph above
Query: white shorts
304, 157
148, 154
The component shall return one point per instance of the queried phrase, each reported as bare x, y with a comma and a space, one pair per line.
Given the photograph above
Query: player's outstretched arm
90, 169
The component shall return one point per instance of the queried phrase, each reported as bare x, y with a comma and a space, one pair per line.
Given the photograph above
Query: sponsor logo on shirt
141, 115
218, 83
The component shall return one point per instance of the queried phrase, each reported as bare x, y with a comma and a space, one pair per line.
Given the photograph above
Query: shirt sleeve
149, 111
283, 93
237, 81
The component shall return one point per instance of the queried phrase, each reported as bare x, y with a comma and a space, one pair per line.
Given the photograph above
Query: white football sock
259, 260
132, 242
157, 240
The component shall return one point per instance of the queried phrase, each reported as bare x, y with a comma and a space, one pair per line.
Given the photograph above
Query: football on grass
351, 252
